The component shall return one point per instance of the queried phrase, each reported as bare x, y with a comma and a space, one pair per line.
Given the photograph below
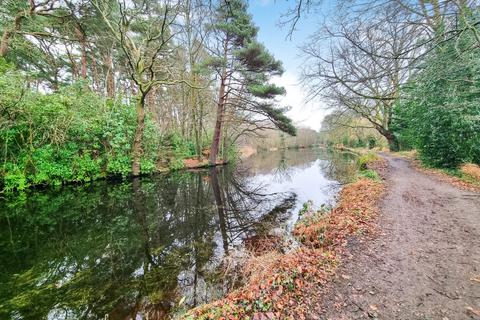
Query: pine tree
244, 68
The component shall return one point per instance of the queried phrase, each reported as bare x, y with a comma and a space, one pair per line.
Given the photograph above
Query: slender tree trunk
137, 149
83, 49
152, 106
218, 123
225, 142
110, 77
74, 64
194, 107
95, 82
200, 126
7, 34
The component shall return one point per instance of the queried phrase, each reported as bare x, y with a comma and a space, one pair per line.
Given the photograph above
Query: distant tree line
92, 88
276, 139
340, 129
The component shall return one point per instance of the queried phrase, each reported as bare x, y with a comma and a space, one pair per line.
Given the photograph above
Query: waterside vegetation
109, 88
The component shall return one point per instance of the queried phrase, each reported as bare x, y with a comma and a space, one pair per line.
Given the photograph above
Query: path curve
425, 262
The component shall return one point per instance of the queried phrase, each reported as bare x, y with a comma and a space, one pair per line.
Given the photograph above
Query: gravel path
425, 261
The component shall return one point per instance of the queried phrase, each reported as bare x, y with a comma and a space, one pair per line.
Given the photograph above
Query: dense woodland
98, 88
90, 89
403, 71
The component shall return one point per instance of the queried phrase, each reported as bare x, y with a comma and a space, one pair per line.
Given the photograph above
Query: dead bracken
283, 286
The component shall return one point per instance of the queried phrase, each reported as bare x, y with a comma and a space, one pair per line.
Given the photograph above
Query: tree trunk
198, 149
83, 49
7, 35
74, 64
110, 77
95, 82
137, 149
152, 106
218, 123
392, 140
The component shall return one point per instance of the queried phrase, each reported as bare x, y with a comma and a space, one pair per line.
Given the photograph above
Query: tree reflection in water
339, 166
122, 250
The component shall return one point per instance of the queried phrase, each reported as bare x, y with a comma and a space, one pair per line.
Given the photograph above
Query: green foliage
372, 142
71, 135
440, 111
232, 154
370, 174
278, 117
265, 91
176, 148
236, 22
251, 61
256, 57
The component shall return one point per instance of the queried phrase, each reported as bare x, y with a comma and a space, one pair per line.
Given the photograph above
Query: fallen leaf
473, 311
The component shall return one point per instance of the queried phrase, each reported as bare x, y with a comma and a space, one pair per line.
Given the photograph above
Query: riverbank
288, 285
466, 176
22, 184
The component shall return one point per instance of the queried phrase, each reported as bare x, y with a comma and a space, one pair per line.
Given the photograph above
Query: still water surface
133, 250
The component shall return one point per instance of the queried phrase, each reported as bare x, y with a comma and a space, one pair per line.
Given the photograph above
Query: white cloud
308, 114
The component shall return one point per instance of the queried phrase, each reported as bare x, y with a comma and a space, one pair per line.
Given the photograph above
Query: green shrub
360, 143
365, 159
72, 135
439, 113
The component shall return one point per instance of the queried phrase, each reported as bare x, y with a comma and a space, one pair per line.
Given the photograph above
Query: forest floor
424, 260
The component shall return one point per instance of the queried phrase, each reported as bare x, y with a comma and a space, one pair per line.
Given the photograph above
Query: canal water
151, 247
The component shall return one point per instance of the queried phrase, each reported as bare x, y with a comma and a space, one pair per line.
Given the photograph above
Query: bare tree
365, 63
144, 31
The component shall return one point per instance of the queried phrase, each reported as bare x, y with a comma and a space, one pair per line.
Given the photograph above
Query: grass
364, 159
369, 174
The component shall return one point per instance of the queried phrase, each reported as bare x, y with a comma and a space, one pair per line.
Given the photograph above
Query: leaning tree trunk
137, 149
392, 140
218, 123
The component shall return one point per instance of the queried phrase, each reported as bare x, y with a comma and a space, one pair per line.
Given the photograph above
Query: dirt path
425, 262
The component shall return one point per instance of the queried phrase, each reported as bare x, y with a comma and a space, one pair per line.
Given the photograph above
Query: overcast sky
266, 14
